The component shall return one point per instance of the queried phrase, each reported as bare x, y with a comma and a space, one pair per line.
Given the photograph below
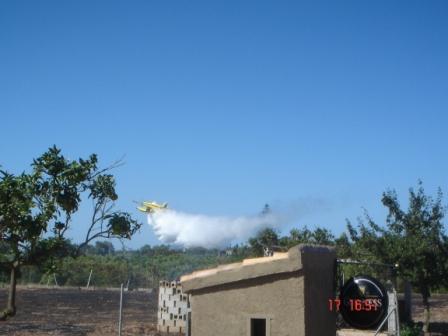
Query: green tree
37, 208
298, 236
343, 246
414, 239
266, 238
319, 236
100, 248
323, 236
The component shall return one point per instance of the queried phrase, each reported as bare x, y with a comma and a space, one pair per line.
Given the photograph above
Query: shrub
411, 329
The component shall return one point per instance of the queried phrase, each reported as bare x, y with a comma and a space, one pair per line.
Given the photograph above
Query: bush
411, 329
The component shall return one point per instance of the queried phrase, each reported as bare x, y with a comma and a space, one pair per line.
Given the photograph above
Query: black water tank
364, 302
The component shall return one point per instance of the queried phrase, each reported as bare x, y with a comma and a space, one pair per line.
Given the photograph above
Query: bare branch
118, 163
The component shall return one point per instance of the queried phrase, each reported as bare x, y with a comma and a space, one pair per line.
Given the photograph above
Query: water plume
196, 230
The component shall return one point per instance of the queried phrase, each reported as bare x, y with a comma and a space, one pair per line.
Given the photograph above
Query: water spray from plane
196, 230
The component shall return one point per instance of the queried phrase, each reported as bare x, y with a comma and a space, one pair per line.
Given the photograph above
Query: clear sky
222, 106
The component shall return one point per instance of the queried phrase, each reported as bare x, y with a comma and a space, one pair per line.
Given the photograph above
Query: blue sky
222, 106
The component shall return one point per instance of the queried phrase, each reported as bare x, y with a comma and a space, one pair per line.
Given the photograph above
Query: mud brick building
281, 295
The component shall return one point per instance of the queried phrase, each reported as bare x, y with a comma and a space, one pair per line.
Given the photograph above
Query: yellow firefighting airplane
151, 207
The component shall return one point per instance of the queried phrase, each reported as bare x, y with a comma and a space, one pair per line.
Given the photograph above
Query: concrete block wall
173, 309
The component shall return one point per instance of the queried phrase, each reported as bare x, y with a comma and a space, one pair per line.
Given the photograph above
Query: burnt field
439, 313
74, 312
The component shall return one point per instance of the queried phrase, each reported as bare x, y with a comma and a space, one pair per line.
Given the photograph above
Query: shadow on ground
439, 328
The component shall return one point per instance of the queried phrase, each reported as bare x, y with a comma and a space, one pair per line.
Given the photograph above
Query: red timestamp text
355, 304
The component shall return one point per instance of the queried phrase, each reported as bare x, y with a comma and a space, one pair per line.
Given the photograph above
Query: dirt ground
439, 313
74, 312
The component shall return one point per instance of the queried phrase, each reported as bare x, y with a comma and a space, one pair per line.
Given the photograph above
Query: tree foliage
265, 239
36, 211
414, 239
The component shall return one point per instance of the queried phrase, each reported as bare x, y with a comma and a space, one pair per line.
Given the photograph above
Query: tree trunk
426, 312
11, 304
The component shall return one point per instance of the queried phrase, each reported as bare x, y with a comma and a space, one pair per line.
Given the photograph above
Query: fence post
90, 276
407, 301
121, 310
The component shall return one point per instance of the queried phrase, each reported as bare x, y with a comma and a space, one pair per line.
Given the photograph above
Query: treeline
143, 267
146, 266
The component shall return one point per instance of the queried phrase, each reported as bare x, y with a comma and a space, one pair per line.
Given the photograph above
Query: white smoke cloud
195, 230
